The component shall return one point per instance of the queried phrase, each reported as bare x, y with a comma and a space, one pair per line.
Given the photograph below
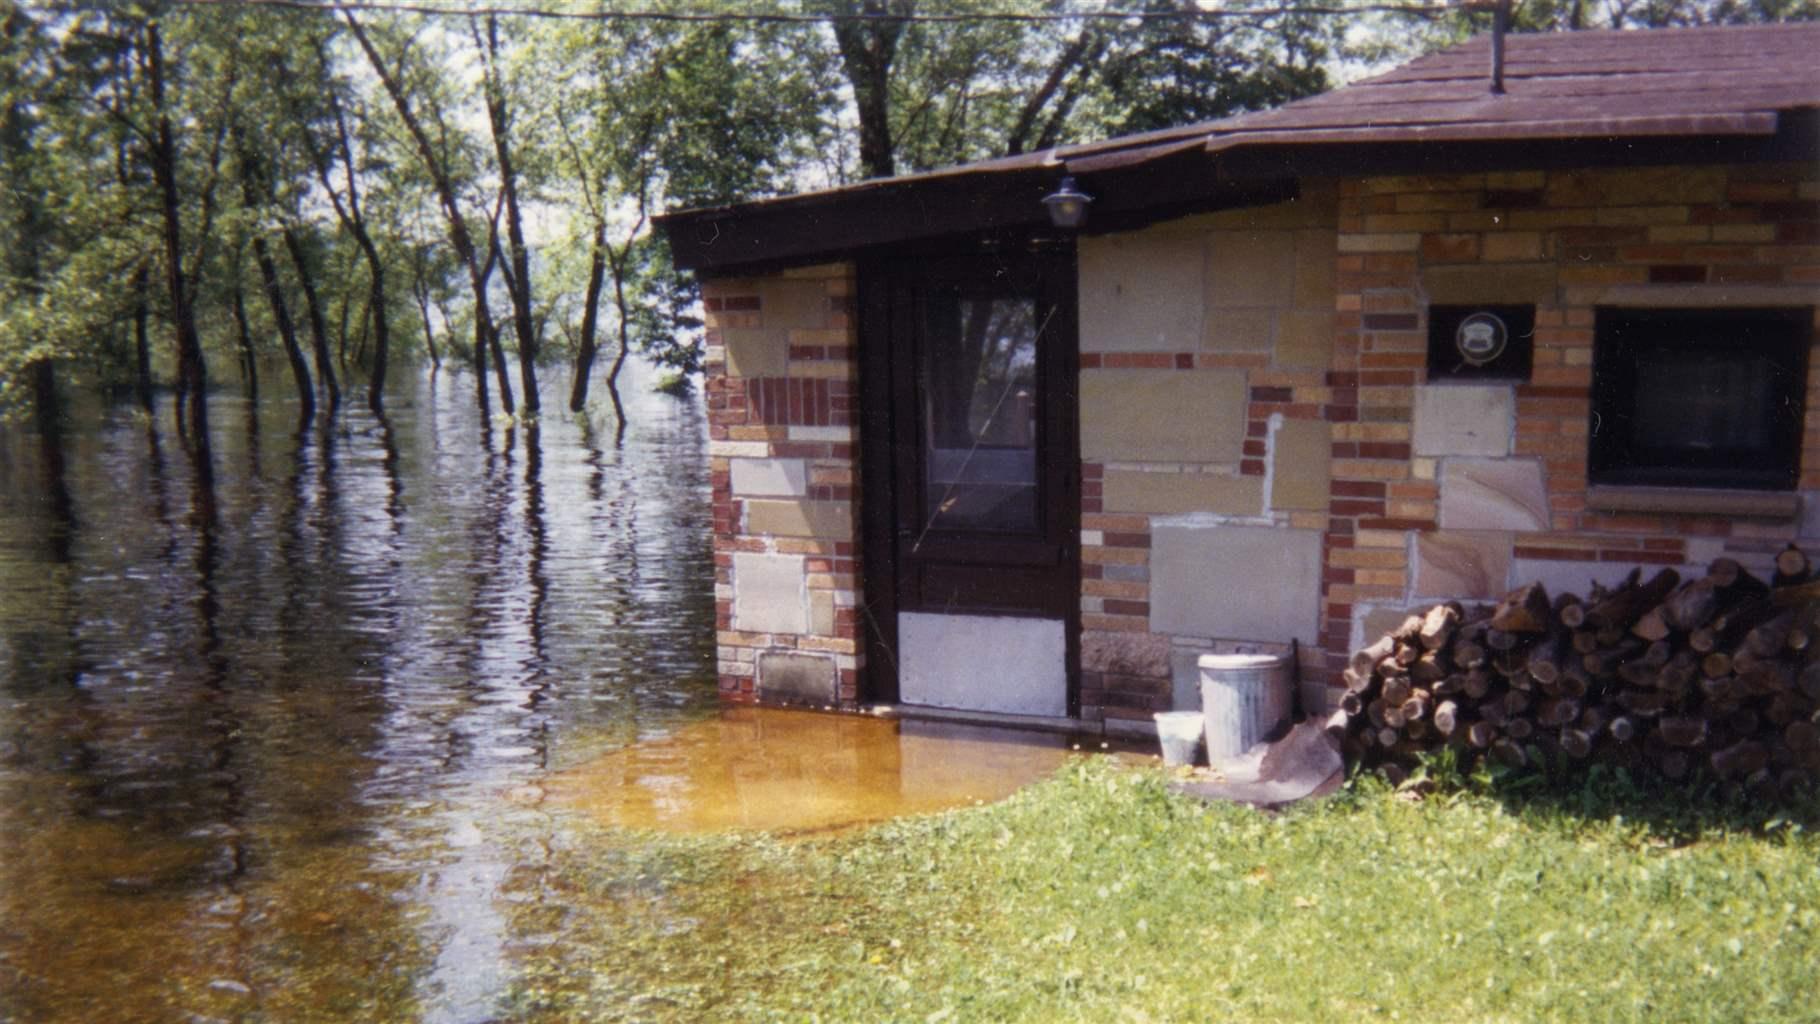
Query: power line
456, 9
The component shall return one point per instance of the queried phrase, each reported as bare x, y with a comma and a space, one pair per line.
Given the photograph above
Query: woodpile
1718, 675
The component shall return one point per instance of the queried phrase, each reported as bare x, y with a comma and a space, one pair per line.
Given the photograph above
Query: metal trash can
1245, 699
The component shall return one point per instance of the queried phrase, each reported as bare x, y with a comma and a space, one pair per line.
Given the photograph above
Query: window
1698, 397
979, 413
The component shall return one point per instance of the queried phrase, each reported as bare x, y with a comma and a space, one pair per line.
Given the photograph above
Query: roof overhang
1162, 178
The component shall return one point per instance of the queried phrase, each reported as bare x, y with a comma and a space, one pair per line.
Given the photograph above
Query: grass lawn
1099, 896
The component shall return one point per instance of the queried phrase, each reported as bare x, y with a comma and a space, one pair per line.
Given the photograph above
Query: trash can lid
1240, 662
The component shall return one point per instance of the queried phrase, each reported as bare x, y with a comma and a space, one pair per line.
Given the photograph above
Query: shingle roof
1571, 78
1715, 82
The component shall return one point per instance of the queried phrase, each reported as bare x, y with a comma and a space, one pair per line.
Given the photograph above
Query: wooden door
970, 449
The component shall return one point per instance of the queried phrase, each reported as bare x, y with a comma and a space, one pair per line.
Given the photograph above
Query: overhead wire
430, 8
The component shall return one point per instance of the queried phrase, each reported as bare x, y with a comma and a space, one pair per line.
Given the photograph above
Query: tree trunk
192, 373
590, 321
459, 237
625, 344
142, 339
421, 292
867, 49
382, 329
503, 376
359, 356
287, 328
319, 326
354, 219
518, 281
341, 321
243, 332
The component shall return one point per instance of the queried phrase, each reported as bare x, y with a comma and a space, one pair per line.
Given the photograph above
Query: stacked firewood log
1717, 675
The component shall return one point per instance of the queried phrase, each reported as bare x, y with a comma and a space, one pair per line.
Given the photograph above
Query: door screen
979, 414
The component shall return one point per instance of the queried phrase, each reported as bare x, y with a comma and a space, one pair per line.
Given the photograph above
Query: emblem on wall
1481, 338
1480, 342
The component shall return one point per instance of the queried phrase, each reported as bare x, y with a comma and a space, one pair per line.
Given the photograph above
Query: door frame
883, 405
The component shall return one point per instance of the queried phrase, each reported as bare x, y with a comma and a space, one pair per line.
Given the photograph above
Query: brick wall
1446, 491
1260, 444
782, 421
1205, 396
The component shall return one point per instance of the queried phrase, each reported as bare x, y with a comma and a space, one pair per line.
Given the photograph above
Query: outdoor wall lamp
1067, 205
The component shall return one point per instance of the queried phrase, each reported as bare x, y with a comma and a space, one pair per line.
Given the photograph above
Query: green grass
1099, 896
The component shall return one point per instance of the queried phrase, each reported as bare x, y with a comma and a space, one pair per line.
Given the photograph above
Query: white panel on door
1004, 665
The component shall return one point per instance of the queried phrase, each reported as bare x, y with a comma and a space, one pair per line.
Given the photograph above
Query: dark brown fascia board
1133, 188
815, 228
766, 237
1796, 138
1755, 123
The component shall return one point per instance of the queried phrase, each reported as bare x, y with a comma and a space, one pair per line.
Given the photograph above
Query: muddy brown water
298, 744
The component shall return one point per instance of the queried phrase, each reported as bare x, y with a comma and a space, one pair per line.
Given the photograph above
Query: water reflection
800, 771
294, 725
272, 720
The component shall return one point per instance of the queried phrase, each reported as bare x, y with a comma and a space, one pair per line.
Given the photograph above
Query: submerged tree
438, 163
500, 117
642, 115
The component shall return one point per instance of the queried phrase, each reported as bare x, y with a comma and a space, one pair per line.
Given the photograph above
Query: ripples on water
254, 739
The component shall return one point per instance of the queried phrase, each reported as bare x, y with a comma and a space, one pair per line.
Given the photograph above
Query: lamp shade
1067, 205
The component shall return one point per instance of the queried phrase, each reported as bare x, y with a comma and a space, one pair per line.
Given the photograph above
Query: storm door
972, 510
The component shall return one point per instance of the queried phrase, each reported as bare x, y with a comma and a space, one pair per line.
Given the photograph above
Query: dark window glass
980, 413
1699, 398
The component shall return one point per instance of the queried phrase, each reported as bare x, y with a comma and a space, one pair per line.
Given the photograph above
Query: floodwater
800, 772
300, 743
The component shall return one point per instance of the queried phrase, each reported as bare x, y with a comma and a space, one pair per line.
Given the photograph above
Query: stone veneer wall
782, 420
1205, 401
1448, 491
1262, 456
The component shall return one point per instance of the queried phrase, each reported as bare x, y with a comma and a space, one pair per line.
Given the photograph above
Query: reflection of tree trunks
319, 327
394, 502
223, 726
254, 469
155, 483
54, 465
536, 575
963, 380
597, 470
590, 323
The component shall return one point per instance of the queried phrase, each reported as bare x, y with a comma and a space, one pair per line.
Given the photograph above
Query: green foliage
1100, 896
1400, 37
611, 122
962, 91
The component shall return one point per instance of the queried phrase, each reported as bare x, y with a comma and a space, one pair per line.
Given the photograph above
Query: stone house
1297, 372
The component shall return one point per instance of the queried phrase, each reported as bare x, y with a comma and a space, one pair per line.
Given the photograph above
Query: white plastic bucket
1180, 733
1245, 698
